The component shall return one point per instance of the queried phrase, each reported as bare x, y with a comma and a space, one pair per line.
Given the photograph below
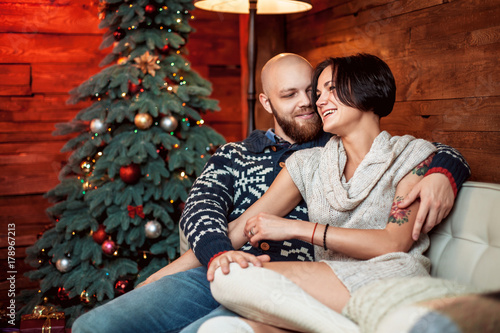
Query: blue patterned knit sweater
239, 173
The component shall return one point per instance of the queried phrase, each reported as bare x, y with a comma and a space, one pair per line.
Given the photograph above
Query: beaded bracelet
324, 238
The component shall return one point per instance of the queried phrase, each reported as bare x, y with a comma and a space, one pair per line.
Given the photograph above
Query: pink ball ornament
108, 247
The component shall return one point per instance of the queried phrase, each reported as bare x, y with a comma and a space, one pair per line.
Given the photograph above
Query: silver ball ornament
169, 123
97, 126
152, 229
63, 265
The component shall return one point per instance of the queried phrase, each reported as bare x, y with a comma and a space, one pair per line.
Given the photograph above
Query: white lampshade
263, 6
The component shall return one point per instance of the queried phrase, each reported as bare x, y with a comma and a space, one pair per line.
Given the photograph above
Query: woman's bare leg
315, 278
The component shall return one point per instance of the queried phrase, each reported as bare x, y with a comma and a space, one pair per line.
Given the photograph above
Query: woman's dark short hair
362, 81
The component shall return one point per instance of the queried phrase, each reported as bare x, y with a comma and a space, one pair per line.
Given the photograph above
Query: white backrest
466, 246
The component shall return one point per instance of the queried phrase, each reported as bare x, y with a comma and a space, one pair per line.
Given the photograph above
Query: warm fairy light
202, 156
124, 94
144, 255
115, 253
181, 78
174, 75
170, 88
161, 28
183, 104
202, 121
183, 174
192, 17
171, 201
176, 145
178, 52
179, 20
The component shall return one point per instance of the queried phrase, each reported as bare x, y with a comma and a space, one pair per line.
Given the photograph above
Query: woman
352, 187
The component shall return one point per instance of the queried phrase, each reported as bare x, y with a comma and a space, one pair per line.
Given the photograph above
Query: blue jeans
167, 305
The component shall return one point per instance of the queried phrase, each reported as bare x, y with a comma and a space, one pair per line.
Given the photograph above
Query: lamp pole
252, 62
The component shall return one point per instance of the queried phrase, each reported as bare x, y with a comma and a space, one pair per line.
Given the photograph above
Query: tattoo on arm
398, 215
423, 167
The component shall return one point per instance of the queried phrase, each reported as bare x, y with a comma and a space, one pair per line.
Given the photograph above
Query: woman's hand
265, 226
242, 258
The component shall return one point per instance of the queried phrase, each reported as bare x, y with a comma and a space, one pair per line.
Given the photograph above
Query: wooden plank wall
444, 55
48, 47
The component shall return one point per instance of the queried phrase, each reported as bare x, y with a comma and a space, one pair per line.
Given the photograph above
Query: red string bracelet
314, 230
215, 256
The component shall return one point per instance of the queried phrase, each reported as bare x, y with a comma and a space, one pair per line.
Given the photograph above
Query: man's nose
305, 100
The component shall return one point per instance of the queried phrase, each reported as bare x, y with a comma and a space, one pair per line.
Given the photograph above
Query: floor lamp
253, 7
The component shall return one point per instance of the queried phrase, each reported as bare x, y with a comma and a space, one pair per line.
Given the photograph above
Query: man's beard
298, 133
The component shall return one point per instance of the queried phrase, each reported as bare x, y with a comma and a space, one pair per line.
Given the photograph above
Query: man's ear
264, 100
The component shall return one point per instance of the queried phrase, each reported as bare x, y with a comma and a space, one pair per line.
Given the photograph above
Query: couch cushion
466, 246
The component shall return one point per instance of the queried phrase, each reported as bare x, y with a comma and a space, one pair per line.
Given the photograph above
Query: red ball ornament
150, 9
122, 286
62, 294
108, 247
165, 49
181, 206
100, 235
131, 173
134, 88
119, 34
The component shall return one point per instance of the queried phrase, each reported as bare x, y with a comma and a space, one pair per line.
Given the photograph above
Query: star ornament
147, 63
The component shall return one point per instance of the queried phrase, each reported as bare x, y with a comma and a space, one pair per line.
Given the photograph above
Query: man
178, 296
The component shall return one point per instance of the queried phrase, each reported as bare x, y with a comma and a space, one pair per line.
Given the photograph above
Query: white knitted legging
268, 297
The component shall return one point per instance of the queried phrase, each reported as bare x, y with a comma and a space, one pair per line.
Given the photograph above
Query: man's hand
240, 257
436, 200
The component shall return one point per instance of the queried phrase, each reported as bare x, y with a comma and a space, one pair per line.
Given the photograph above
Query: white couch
465, 256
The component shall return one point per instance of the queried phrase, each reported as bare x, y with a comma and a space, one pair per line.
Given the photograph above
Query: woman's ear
264, 100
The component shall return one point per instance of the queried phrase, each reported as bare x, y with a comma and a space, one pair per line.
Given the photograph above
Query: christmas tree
137, 150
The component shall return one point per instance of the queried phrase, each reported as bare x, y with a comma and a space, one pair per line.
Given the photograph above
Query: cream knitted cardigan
362, 203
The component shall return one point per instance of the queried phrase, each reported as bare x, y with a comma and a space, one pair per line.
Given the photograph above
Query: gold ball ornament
86, 166
143, 121
85, 297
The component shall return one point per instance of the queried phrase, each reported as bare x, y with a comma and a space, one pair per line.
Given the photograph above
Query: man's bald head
286, 81
278, 67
